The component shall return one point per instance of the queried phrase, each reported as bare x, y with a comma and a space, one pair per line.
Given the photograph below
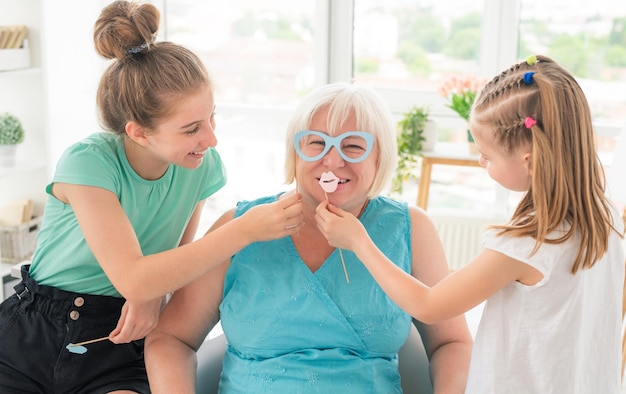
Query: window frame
333, 54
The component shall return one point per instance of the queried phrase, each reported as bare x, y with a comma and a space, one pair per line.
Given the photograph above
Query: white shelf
5, 269
9, 272
21, 72
21, 168
5, 272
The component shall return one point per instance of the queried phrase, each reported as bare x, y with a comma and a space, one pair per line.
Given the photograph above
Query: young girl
553, 275
119, 205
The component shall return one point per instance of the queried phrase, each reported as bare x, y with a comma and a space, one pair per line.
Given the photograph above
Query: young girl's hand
276, 220
342, 229
136, 321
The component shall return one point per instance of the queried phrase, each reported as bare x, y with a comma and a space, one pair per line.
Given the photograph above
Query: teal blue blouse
290, 330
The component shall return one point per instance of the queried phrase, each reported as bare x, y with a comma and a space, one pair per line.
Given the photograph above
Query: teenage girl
120, 203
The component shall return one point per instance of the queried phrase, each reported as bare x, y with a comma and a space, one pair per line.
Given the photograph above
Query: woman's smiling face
355, 179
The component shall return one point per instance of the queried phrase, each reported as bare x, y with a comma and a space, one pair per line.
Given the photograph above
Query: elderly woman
298, 314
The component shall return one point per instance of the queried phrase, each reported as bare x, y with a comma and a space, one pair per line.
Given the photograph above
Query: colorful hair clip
529, 122
531, 60
528, 77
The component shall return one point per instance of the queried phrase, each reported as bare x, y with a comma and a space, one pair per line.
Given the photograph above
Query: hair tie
140, 48
531, 60
528, 77
529, 122
137, 49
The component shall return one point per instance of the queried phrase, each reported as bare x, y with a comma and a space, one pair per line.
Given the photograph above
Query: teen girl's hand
136, 321
342, 229
276, 220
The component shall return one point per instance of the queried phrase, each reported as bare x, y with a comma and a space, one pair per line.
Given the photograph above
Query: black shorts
36, 325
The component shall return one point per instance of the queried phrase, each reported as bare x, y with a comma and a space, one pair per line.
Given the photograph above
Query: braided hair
538, 103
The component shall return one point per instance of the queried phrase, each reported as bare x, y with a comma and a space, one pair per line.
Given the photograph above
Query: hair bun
125, 28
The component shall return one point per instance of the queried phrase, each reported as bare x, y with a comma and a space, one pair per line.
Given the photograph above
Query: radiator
461, 237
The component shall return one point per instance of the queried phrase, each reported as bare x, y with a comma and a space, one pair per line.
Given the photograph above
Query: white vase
430, 135
7, 155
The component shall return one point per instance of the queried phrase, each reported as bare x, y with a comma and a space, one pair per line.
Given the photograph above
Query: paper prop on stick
78, 348
329, 182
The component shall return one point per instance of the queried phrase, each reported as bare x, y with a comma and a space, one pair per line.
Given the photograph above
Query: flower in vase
460, 92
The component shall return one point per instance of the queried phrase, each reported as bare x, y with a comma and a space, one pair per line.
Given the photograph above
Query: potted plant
11, 134
417, 133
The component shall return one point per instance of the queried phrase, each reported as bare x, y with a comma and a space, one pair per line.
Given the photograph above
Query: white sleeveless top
562, 335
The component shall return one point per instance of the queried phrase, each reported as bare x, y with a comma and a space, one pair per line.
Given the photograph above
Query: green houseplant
411, 140
11, 134
11, 131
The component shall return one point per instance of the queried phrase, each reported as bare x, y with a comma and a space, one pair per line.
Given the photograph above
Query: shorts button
79, 301
74, 315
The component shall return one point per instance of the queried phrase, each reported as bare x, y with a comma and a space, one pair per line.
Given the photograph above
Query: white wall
55, 98
72, 71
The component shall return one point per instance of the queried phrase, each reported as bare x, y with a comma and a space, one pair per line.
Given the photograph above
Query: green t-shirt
158, 210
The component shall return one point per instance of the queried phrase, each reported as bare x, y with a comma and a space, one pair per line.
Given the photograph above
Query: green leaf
410, 139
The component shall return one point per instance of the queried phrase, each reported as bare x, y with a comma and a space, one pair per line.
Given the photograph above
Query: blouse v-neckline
330, 255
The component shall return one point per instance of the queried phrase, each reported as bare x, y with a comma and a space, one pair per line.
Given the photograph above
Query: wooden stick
295, 177
89, 341
343, 263
345, 271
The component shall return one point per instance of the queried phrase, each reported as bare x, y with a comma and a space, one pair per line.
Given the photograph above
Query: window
406, 50
258, 52
265, 55
589, 39
411, 45
261, 56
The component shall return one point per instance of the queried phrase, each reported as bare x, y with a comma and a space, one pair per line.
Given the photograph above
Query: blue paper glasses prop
353, 146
